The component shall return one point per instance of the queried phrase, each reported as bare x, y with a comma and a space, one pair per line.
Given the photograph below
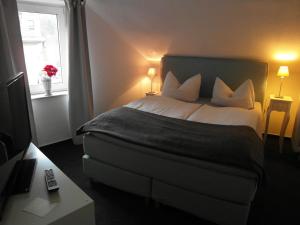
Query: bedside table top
284, 98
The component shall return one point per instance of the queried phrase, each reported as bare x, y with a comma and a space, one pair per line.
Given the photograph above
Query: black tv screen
21, 132
15, 131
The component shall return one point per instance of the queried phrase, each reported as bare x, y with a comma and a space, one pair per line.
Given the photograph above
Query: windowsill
43, 2
54, 94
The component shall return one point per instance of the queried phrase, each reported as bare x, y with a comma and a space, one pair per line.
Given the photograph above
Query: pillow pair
243, 96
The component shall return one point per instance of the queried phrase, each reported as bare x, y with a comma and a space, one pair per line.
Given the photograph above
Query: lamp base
152, 93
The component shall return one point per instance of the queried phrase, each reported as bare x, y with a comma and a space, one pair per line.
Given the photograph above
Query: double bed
179, 174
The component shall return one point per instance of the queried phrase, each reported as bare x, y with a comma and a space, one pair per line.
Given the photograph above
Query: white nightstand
280, 105
152, 93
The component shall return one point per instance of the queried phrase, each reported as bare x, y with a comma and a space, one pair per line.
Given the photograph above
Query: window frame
59, 11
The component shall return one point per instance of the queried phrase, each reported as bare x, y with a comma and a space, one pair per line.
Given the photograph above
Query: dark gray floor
278, 203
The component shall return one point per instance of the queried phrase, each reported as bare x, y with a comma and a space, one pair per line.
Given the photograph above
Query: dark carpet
277, 203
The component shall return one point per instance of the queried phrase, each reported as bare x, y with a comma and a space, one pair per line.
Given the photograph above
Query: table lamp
151, 75
282, 73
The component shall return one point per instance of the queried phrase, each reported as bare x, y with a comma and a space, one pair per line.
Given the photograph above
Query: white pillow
243, 97
188, 91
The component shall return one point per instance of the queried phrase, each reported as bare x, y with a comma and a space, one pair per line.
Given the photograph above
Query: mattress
201, 111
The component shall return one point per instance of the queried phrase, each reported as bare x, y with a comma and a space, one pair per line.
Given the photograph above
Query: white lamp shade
151, 72
283, 71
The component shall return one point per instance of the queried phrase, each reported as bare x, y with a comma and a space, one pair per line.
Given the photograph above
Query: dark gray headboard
232, 71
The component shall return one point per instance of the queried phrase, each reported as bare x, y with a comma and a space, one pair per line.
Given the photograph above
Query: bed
214, 191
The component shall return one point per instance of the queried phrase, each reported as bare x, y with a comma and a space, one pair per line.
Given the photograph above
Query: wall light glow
155, 59
291, 56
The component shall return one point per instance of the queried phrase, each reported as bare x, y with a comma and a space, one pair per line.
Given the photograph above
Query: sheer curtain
80, 87
11, 51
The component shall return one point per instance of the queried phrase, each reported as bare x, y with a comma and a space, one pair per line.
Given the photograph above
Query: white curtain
80, 87
11, 51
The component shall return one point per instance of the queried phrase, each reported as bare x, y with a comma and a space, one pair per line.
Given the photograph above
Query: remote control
50, 180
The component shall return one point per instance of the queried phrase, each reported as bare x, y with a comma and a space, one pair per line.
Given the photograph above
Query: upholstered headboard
232, 71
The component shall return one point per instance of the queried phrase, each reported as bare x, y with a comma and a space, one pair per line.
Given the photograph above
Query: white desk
74, 206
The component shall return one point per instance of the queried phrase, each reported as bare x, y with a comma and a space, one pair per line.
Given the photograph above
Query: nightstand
280, 105
152, 93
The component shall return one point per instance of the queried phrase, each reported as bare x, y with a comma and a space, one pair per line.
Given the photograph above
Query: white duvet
204, 113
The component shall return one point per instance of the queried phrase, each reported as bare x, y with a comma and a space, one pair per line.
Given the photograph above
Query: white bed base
207, 190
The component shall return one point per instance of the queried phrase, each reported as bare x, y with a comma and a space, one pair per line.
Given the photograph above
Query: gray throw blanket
237, 146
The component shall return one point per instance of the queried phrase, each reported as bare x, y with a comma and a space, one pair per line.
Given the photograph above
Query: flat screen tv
15, 137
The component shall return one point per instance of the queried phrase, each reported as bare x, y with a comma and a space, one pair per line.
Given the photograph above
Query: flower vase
46, 81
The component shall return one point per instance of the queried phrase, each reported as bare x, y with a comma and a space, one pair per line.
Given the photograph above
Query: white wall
51, 119
123, 33
117, 68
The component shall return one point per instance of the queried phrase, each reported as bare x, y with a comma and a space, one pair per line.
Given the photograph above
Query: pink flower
50, 70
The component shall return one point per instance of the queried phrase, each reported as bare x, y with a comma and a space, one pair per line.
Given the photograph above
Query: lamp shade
283, 71
151, 72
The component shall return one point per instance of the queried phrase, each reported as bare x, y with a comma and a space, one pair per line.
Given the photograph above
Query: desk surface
70, 197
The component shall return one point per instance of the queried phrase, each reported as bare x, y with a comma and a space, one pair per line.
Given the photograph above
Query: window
43, 32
